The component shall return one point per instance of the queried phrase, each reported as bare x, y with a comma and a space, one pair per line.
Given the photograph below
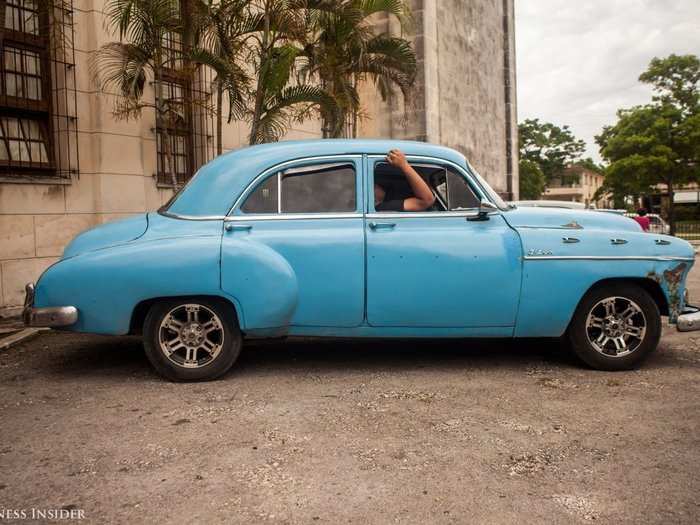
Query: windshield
495, 197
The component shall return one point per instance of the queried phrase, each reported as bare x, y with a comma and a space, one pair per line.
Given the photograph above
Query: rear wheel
615, 327
195, 339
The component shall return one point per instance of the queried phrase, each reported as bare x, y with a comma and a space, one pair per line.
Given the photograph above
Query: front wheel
194, 339
615, 327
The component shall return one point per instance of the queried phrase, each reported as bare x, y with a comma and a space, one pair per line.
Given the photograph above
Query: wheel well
652, 287
138, 315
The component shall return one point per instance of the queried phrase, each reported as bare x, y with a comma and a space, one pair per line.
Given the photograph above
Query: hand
397, 159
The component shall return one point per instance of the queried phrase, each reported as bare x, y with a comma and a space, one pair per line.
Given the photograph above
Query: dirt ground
340, 432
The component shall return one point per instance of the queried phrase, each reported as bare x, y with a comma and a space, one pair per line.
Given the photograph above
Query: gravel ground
368, 432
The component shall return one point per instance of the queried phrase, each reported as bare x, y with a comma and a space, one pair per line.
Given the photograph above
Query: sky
579, 61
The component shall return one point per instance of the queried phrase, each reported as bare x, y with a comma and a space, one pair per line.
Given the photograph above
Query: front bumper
689, 319
52, 316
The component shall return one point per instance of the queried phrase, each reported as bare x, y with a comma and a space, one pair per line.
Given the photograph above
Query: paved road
333, 432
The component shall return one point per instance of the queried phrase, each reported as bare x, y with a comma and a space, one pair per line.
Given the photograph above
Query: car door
438, 268
308, 213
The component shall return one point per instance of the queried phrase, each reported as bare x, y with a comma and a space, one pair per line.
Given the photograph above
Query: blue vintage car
284, 240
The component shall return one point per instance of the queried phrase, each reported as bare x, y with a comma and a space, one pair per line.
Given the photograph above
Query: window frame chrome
355, 159
437, 162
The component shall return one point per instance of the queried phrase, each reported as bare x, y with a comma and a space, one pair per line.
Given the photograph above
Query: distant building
67, 165
576, 184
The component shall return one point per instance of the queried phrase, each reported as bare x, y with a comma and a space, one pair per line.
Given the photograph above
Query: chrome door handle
382, 225
662, 242
570, 240
618, 241
238, 227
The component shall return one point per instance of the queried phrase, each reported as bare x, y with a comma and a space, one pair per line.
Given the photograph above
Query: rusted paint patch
671, 281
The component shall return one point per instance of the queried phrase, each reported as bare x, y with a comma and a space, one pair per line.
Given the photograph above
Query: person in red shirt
642, 219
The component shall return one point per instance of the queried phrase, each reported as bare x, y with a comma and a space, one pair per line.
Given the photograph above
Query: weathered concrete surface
464, 96
337, 432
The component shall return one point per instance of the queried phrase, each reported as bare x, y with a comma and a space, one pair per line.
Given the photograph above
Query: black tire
638, 348
227, 336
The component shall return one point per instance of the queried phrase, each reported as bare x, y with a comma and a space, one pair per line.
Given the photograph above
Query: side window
460, 196
325, 188
264, 198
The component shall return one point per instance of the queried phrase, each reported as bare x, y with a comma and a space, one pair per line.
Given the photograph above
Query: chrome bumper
52, 316
689, 320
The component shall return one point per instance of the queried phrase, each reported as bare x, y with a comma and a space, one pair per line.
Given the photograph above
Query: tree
343, 50
550, 147
658, 143
532, 180
124, 67
276, 98
223, 27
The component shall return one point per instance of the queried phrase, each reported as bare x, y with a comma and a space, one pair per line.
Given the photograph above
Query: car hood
108, 234
531, 217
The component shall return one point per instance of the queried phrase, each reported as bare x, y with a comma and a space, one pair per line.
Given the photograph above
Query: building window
25, 119
174, 119
22, 73
174, 133
38, 108
23, 141
22, 16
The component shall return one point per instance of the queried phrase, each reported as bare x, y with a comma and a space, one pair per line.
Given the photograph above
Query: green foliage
342, 50
657, 143
550, 147
532, 180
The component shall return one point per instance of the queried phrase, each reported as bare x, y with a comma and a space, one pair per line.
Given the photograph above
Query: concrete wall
465, 93
459, 100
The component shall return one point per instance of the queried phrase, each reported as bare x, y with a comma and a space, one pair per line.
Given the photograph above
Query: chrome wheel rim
191, 335
616, 326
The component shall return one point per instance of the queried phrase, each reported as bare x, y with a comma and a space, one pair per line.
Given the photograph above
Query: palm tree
278, 97
344, 50
124, 67
223, 27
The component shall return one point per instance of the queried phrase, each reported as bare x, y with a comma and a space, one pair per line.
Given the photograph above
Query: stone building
66, 164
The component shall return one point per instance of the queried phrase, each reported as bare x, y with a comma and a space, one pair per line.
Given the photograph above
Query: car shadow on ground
77, 355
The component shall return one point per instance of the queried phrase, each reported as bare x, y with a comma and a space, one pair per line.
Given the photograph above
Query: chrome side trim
280, 167
424, 215
607, 258
192, 217
547, 227
292, 216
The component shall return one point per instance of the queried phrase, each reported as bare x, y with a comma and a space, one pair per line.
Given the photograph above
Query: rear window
323, 188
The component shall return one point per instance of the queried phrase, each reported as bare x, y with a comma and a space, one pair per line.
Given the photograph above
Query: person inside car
422, 198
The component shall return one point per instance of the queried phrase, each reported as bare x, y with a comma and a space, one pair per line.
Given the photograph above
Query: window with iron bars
34, 111
174, 120
187, 124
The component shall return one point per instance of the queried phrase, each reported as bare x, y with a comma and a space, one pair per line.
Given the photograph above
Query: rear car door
308, 212
437, 268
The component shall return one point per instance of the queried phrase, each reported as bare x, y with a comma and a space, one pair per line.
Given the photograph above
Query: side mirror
485, 207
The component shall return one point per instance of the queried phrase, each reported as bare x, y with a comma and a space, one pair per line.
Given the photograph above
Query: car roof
219, 182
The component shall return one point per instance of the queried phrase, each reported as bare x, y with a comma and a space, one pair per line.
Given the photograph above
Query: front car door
307, 216
436, 268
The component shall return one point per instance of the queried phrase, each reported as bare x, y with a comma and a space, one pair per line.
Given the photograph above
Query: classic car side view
285, 240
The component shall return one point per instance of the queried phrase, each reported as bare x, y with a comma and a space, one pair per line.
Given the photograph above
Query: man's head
641, 212
379, 193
